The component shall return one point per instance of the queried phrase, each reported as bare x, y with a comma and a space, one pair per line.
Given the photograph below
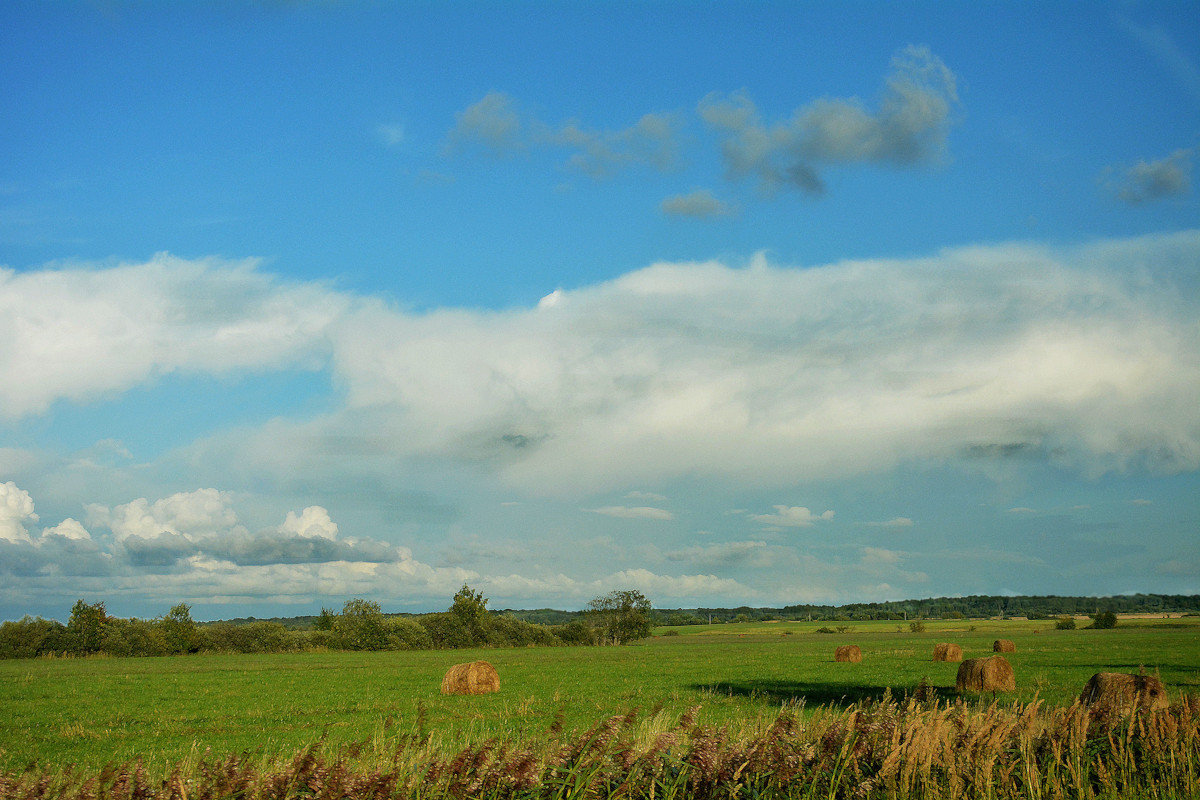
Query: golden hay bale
991, 674
1003, 646
476, 677
1120, 690
947, 652
848, 652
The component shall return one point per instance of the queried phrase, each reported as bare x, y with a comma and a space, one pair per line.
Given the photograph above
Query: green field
92, 711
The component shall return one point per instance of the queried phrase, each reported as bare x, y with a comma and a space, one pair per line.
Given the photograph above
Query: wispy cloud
909, 127
896, 522
700, 204
496, 126
636, 512
792, 517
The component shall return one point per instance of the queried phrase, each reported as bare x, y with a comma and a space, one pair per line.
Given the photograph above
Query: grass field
88, 712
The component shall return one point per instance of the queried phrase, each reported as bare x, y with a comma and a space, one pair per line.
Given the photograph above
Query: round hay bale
947, 652
1003, 646
851, 653
475, 677
991, 674
1121, 690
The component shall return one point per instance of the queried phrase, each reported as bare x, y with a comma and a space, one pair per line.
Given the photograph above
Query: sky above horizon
728, 303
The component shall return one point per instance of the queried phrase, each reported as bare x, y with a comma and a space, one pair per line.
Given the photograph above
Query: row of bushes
361, 625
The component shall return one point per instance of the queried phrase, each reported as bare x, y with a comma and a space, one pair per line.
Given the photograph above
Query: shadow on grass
813, 694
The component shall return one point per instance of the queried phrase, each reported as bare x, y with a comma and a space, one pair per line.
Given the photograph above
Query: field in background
94, 711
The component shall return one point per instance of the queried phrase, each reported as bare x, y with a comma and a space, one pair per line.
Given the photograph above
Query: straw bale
1003, 646
991, 674
947, 652
1121, 690
848, 652
475, 677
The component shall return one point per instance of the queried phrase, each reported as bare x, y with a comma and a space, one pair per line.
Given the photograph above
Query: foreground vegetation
725, 710
889, 749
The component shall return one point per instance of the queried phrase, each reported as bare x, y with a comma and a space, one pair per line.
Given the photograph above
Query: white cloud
68, 529
636, 512
791, 517
313, 522
16, 510
80, 333
1087, 357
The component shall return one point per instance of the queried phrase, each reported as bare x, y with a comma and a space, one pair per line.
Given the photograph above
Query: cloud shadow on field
840, 695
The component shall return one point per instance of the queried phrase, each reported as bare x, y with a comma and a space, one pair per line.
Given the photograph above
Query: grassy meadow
88, 712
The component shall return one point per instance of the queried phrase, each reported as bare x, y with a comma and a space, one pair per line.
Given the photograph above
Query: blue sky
729, 303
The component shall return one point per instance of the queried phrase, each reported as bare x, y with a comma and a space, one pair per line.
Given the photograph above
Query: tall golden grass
895, 749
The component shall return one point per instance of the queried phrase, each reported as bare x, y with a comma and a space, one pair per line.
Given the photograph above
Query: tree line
616, 618
972, 607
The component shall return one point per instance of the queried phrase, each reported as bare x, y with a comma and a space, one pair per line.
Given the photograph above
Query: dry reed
887, 749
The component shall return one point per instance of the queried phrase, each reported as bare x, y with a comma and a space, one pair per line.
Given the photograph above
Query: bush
360, 626
1064, 624
916, 626
32, 637
404, 633
253, 637
445, 630
508, 631
1104, 620
133, 637
576, 632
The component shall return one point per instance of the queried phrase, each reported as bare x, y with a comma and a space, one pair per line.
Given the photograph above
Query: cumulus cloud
791, 517
910, 126
700, 204
79, 332
1147, 181
204, 524
636, 512
16, 510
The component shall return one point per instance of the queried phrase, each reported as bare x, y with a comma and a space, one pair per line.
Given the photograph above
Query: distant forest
973, 607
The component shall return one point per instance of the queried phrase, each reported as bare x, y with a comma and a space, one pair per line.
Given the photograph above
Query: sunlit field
89, 712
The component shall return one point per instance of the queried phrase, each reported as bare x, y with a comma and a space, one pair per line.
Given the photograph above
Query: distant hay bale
947, 652
991, 674
1003, 646
1120, 690
475, 677
848, 652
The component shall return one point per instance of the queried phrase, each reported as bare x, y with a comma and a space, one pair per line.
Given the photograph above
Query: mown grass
164, 711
